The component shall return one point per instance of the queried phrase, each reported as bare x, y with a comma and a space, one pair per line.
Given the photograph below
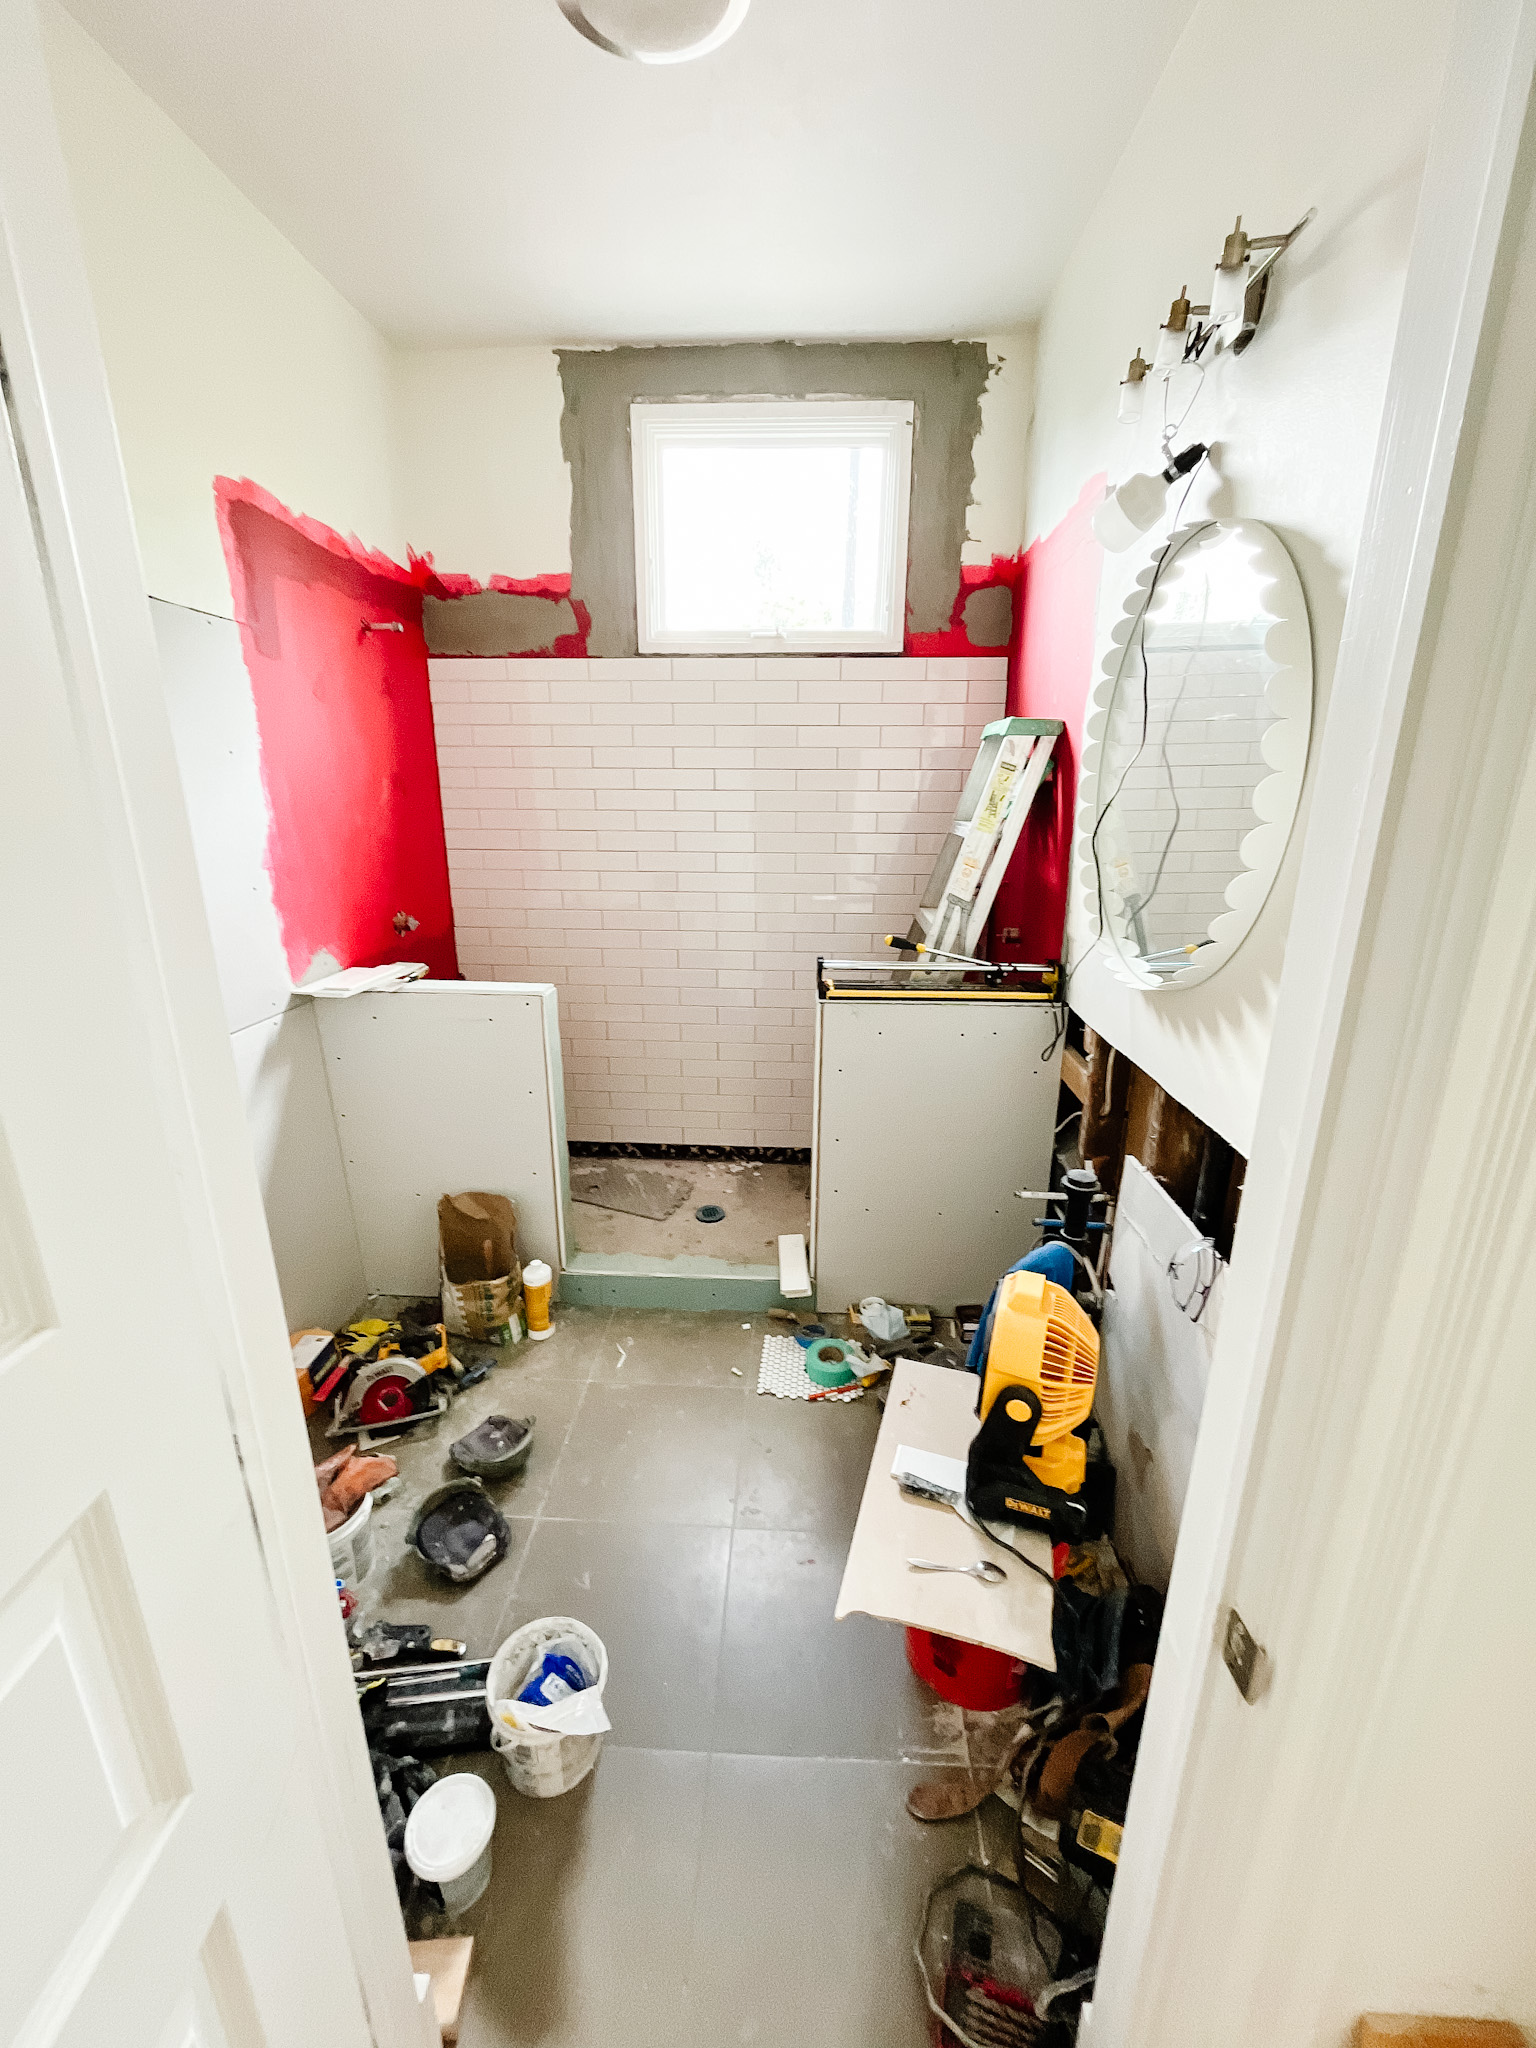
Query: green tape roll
828, 1363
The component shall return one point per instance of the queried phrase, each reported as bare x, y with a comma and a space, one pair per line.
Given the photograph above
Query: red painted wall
348, 753
1006, 570
1050, 672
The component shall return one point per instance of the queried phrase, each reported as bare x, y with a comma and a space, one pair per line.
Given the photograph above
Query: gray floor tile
794, 1682
812, 1878
572, 1352
581, 1939
650, 1454
678, 1348
655, 1593
804, 1463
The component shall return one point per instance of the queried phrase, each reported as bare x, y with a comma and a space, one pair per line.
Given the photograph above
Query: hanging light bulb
1172, 335
1131, 392
1229, 286
1135, 506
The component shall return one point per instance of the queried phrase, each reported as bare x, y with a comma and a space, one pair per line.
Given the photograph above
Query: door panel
164, 1876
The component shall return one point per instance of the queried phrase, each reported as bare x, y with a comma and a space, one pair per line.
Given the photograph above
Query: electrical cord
1201, 1287
1168, 555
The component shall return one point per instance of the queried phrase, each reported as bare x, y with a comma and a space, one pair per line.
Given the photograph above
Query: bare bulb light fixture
656, 31
1239, 287
1134, 507
1132, 389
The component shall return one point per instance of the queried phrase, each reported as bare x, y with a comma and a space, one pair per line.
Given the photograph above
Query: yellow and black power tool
1029, 1458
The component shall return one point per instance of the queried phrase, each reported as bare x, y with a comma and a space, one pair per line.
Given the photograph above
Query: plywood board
1415, 2030
281, 1071
447, 1964
933, 1409
440, 1087
213, 724
929, 1115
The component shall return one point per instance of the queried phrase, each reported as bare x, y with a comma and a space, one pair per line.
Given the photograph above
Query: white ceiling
473, 171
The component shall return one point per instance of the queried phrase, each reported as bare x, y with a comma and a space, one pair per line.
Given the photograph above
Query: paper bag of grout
481, 1277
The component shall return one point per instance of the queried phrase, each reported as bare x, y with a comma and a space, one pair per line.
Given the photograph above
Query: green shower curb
629, 1280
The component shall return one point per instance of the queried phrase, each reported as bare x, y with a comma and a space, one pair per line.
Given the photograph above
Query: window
764, 527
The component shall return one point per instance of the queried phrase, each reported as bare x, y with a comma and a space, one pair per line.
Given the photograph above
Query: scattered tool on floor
833, 1363
460, 1531
990, 1964
984, 1569
1028, 1462
399, 1644
496, 1448
438, 1710
853, 1388
382, 1374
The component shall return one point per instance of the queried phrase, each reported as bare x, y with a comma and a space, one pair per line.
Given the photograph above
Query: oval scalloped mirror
1195, 750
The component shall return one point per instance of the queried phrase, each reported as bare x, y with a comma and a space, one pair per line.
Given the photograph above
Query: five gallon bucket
542, 1763
448, 1838
352, 1544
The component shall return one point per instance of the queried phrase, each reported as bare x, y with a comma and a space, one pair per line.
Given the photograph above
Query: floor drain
710, 1213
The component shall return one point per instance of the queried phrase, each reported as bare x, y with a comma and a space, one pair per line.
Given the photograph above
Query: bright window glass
771, 526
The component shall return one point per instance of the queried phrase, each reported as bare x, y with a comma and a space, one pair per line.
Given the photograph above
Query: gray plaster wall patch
988, 616
495, 622
944, 380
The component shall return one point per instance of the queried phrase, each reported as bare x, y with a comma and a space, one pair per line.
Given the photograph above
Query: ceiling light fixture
656, 31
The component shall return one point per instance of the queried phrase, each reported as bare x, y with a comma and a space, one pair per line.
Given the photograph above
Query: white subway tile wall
672, 842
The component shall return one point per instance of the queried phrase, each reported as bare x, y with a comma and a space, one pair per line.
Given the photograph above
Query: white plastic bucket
541, 1764
448, 1838
352, 1544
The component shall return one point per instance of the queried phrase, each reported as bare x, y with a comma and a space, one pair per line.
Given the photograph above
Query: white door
166, 1876
162, 1878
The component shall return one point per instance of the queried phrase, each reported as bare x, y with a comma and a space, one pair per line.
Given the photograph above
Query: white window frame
888, 421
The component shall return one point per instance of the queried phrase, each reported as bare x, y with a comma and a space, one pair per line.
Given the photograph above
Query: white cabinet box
930, 1112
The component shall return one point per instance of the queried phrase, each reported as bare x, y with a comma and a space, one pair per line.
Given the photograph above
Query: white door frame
65, 427
1300, 1511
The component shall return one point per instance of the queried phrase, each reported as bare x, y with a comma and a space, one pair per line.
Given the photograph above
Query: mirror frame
1288, 692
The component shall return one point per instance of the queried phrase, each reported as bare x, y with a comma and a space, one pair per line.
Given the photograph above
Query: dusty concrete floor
740, 1867
761, 1204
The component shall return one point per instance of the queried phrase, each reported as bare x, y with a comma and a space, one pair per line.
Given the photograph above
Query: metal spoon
984, 1569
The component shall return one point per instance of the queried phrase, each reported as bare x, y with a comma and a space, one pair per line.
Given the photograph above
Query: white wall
218, 755
483, 485
226, 352
995, 524
485, 488
281, 1070
672, 842
1264, 112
